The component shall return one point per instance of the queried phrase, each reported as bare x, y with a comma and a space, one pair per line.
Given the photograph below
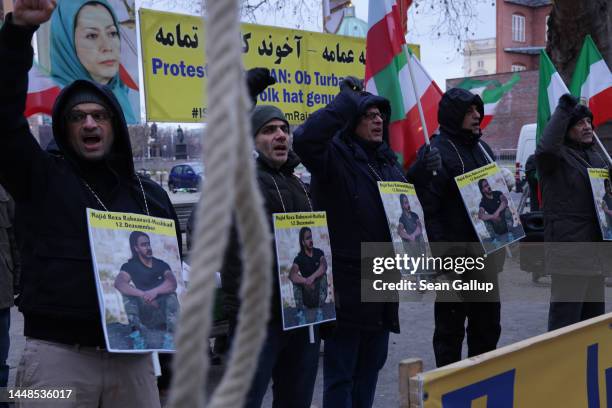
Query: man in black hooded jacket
344, 146
447, 221
65, 344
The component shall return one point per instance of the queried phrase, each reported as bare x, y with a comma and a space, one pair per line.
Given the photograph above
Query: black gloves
351, 91
567, 102
350, 83
258, 79
431, 159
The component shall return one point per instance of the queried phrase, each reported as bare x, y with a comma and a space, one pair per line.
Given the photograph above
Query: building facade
521, 27
479, 57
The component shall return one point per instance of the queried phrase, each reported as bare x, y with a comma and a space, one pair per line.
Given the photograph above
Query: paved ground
521, 319
181, 197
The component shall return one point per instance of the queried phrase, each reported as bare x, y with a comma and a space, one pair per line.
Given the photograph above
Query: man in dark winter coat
344, 146
576, 263
287, 357
65, 344
9, 278
447, 221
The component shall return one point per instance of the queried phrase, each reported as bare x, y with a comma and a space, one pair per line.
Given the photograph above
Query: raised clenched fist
33, 12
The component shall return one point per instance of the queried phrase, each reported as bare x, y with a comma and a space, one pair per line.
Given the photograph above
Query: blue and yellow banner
569, 367
308, 66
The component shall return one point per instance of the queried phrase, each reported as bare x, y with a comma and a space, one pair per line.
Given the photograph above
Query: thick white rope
230, 180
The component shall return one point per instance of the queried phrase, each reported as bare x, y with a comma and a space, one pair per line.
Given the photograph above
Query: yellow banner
300, 219
569, 367
599, 173
130, 222
396, 187
308, 66
476, 174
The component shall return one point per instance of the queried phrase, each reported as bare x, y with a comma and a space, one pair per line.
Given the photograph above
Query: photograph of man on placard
305, 276
140, 284
148, 287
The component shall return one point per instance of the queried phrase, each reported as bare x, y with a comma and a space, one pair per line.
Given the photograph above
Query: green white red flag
550, 88
491, 92
592, 82
42, 92
387, 75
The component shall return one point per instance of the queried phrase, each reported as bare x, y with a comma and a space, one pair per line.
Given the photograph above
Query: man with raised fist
65, 345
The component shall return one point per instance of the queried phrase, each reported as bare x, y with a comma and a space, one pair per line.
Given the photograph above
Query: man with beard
494, 211
571, 230
308, 276
450, 229
409, 226
151, 302
410, 229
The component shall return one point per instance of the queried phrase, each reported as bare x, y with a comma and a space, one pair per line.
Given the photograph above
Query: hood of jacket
120, 157
452, 109
365, 101
65, 63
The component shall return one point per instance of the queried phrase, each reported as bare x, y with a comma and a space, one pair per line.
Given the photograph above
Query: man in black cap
65, 346
576, 263
287, 357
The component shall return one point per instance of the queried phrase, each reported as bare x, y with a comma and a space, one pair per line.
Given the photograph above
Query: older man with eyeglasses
65, 346
345, 147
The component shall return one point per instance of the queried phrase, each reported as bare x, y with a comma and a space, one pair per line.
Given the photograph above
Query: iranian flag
491, 93
592, 82
42, 92
387, 75
551, 87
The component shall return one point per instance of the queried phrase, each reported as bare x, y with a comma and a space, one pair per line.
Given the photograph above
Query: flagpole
416, 96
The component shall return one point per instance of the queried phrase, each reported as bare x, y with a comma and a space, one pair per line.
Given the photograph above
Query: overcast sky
438, 55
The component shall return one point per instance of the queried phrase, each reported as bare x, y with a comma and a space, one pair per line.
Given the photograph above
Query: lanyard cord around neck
102, 204
589, 165
281, 197
486, 155
380, 178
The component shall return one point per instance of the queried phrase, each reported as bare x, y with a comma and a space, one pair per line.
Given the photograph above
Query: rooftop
530, 3
525, 50
351, 25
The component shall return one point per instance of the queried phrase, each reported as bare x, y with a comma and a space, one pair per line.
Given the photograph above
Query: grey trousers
98, 378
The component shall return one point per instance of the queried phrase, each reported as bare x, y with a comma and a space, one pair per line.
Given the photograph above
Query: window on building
480, 63
546, 29
518, 67
518, 28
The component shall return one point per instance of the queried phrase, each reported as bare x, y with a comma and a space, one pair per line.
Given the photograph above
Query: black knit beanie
84, 96
263, 114
578, 113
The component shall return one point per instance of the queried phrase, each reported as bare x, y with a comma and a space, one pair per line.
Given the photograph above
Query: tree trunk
570, 21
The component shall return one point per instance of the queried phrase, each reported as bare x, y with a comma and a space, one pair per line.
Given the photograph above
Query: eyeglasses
269, 129
100, 116
373, 115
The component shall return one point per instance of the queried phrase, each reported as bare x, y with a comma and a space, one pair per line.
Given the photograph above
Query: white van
525, 148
